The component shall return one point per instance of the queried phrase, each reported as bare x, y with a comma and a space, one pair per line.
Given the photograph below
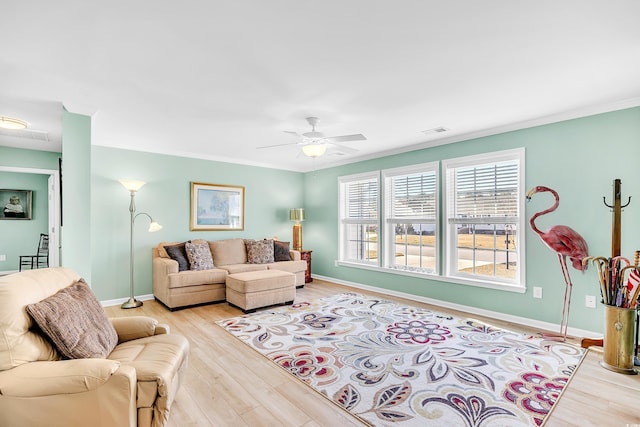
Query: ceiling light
314, 150
11, 123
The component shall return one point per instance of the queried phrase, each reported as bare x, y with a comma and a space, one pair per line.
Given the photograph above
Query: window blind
361, 201
411, 197
488, 191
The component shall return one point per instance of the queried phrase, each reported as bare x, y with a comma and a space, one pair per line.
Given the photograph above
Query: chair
42, 257
134, 386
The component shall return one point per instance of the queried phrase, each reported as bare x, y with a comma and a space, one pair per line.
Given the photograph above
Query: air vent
38, 135
439, 129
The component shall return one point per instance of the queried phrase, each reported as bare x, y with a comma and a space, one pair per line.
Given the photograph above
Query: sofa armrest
165, 265
295, 255
134, 327
37, 379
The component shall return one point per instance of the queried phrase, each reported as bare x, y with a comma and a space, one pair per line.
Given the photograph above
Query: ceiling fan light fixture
314, 150
11, 123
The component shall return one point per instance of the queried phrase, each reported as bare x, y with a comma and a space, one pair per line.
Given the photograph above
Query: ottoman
255, 289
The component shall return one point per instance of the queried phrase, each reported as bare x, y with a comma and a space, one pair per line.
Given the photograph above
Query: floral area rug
394, 364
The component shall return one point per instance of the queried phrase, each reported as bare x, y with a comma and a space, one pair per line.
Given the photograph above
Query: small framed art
216, 207
16, 204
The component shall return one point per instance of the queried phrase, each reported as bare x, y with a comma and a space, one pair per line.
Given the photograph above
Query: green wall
75, 236
578, 158
20, 237
269, 194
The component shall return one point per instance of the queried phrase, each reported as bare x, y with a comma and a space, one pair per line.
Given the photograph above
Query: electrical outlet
335, 263
3, 257
537, 292
590, 301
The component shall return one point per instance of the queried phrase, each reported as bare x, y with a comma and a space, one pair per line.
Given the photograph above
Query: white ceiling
216, 79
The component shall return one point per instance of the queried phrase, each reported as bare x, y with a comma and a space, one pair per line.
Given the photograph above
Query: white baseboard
118, 301
4, 273
532, 323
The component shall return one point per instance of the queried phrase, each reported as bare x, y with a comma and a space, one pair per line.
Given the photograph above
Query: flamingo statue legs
565, 242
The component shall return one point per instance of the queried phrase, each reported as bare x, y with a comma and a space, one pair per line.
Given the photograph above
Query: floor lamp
297, 215
134, 186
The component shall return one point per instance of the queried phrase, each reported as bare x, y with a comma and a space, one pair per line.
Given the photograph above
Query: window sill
458, 280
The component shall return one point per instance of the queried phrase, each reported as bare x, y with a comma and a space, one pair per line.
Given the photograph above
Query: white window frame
450, 242
388, 223
343, 252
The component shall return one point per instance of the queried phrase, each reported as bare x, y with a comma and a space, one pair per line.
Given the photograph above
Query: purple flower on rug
535, 393
418, 332
315, 321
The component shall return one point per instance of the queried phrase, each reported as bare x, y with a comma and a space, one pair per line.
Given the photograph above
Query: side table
306, 256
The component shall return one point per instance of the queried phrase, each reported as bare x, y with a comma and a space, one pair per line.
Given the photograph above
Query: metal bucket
619, 336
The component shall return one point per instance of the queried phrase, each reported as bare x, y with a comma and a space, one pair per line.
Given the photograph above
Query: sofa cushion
76, 323
281, 251
199, 255
290, 266
179, 253
228, 251
196, 277
241, 268
259, 251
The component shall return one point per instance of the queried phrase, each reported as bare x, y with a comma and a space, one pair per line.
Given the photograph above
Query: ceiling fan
314, 143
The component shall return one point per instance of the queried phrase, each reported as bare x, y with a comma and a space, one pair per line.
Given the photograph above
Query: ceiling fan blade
292, 133
346, 138
278, 145
344, 149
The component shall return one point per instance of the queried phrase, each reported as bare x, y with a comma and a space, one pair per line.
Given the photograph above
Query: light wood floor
229, 384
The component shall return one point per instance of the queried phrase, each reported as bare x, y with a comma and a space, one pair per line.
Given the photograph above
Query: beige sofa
177, 289
134, 385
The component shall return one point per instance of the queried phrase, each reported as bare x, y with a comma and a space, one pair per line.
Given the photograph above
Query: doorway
53, 189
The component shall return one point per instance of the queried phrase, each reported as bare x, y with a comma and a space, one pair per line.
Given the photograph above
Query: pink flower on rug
535, 393
314, 367
418, 332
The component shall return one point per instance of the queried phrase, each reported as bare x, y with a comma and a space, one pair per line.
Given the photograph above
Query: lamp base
132, 303
297, 236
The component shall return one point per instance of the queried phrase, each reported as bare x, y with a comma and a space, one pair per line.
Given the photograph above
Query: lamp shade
154, 226
296, 214
131, 184
314, 150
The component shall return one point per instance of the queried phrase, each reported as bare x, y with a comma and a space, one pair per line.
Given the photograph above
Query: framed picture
216, 207
16, 204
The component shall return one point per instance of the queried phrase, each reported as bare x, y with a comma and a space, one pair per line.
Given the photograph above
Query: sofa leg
288, 302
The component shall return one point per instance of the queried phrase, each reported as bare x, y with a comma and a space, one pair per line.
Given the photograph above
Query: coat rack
616, 228
617, 217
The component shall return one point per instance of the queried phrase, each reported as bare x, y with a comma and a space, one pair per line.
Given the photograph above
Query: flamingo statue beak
531, 193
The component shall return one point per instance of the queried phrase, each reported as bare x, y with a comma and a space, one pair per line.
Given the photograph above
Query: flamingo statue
565, 242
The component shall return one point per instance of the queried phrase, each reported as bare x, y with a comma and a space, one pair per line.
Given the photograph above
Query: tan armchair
134, 386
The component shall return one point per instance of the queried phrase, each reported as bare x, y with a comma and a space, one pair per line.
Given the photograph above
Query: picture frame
16, 204
216, 207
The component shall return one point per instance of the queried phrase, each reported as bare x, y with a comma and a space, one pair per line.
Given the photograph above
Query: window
483, 217
391, 220
359, 205
410, 220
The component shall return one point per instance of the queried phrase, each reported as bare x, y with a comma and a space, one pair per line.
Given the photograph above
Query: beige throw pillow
259, 251
75, 322
199, 255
